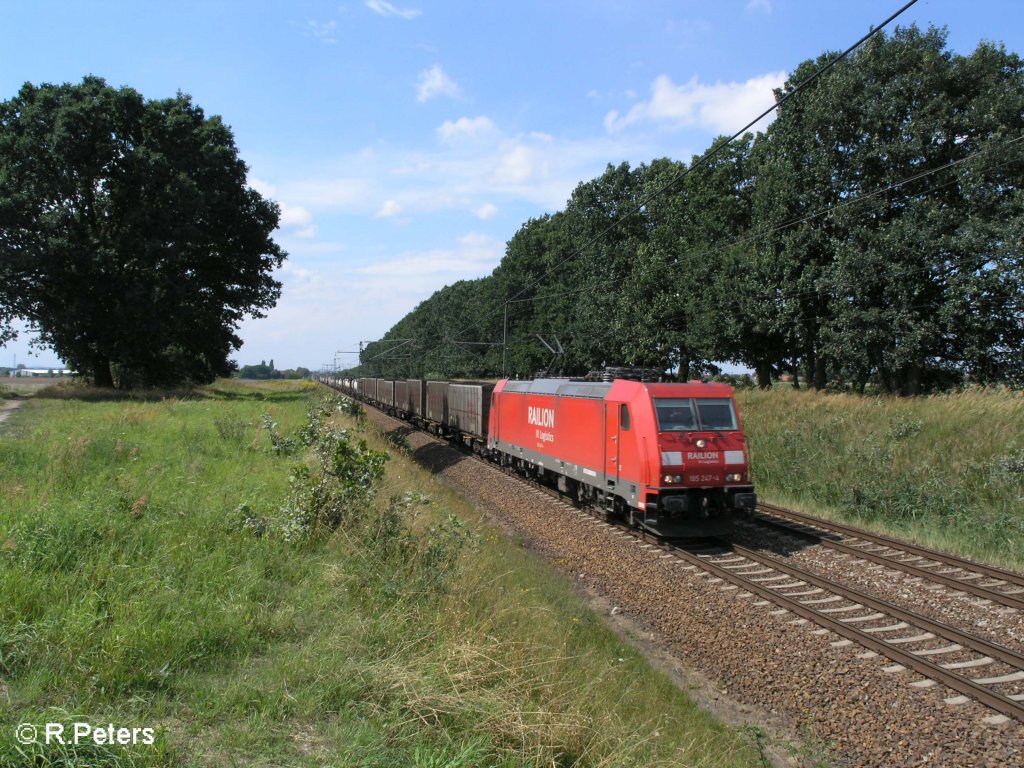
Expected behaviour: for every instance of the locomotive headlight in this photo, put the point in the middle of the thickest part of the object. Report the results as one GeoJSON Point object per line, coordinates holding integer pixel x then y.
{"type": "Point", "coordinates": [733, 478]}
{"type": "Point", "coordinates": [701, 443]}
{"type": "Point", "coordinates": [673, 479]}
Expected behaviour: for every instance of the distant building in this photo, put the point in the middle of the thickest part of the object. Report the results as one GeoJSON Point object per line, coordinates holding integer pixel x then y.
{"type": "Point", "coordinates": [35, 373]}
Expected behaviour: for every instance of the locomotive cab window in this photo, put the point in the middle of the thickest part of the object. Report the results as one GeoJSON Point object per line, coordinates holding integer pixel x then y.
{"type": "Point", "coordinates": [716, 414]}
{"type": "Point", "coordinates": [684, 414]}
{"type": "Point", "coordinates": [624, 417]}
{"type": "Point", "coordinates": [675, 414]}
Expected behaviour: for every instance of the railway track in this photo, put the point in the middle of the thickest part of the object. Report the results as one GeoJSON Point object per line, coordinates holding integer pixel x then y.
{"type": "Point", "coordinates": [972, 667]}
{"type": "Point", "coordinates": [984, 581]}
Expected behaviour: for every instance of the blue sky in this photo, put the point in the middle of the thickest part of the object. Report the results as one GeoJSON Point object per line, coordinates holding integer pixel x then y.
{"type": "Point", "coordinates": [406, 142]}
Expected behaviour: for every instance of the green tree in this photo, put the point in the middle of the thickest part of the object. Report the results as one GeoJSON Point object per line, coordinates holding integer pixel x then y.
{"type": "Point", "coordinates": [790, 250]}
{"type": "Point", "coordinates": [535, 293]}
{"type": "Point", "coordinates": [686, 302]}
{"type": "Point", "coordinates": [872, 235]}
{"type": "Point", "coordinates": [890, 201]}
{"type": "Point", "coordinates": [607, 225]}
{"type": "Point", "coordinates": [651, 317]}
{"type": "Point", "coordinates": [128, 236]}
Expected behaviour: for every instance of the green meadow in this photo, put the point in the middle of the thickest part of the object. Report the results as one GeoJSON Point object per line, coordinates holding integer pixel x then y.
{"type": "Point", "coordinates": [945, 470]}
{"type": "Point", "coordinates": [255, 575]}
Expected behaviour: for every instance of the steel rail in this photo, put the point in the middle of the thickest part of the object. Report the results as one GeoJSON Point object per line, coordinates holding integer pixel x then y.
{"type": "Point", "coordinates": [1009, 599]}
{"type": "Point", "coordinates": [972, 642]}
{"type": "Point", "coordinates": [951, 679]}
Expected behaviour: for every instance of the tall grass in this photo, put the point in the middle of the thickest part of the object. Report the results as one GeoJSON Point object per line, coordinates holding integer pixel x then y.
{"type": "Point", "coordinates": [151, 576]}
{"type": "Point", "coordinates": [947, 469]}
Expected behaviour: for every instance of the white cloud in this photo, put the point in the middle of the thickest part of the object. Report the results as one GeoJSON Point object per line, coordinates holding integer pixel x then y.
{"type": "Point", "coordinates": [265, 188]}
{"type": "Point", "coordinates": [764, 6]}
{"type": "Point", "coordinates": [475, 255]}
{"type": "Point", "coordinates": [295, 216]}
{"type": "Point", "coordinates": [341, 192]}
{"type": "Point", "coordinates": [325, 31]}
{"type": "Point", "coordinates": [387, 9]}
{"type": "Point", "coordinates": [465, 127]}
{"type": "Point", "coordinates": [722, 107]}
{"type": "Point", "coordinates": [518, 163]}
{"type": "Point", "coordinates": [298, 221]}
{"type": "Point", "coordinates": [328, 304]}
{"type": "Point", "coordinates": [435, 82]}
{"type": "Point", "coordinates": [486, 211]}
{"type": "Point", "coordinates": [535, 170]}
{"type": "Point", "coordinates": [389, 209]}
{"type": "Point", "coordinates": [313, 248]}
{"type": "Point", "coordinates": [296, 272]}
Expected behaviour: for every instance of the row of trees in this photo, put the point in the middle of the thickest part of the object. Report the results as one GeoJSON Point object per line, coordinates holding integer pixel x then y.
{"type": "Point", "coordinates": [129, 239]}
{"type": "Point", "coordinates": [873, 234]}
{"type": "Point", "coordinates": [267, 371]}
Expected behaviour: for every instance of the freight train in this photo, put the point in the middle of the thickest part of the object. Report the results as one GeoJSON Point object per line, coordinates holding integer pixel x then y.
{"type": "Point", "coordinates": [670, 458]}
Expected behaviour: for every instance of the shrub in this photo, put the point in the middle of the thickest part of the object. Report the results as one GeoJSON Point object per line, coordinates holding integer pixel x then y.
{"type": "Point", "coordinates": [349, 407]}
{"type": "Point", "coordinates": [242, 518]}
{"type": "Point", "coordinates": [284, 446]}
{"type": "Point", "coordinates": [342, 483]}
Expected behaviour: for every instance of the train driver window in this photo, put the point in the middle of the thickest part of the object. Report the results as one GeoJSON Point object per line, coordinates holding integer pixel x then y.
{"type": "Point", "coordinates": [675, 414]}
{"type": "Point", "coordinates": [624, 417]}
{"type": "Point", "coordinates": [716, 414]}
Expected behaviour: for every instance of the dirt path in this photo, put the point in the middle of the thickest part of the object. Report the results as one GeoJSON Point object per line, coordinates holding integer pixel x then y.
{"type": "Point", "coordinates": [8, 407]}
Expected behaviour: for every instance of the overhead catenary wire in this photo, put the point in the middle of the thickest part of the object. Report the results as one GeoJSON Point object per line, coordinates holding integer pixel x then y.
{"type": "Point", "coordinates": [792, 295]}
{"type": "Point", "coordinates": [970, 260]}
{"type": "Point", "coordinates": [708, 156]}
{"type": "Point", "coordinates": [707, 250]}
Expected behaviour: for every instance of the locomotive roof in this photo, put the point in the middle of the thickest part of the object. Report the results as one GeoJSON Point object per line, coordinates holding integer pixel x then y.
{"type": "Point", "coordinates": [689, 389]}
{"type": "Point", "coordinates": [593, 389]}
{"type": "Point", "coordinates": [598, 390]}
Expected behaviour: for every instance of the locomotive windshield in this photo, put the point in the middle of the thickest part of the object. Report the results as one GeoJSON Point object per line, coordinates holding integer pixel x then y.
{"type": "Point", "coordinates": [686, 414]}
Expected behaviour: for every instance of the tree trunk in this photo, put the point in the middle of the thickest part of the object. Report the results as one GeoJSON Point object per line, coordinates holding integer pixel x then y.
{"type": "Point", "coordinates": [913, 379]}
{"type": "Point", "coordinates": [101, 376]}
{"type": "Point", "coordinates": [796, 373]}
{"type": "Point", "coordinates": [764, 375]}
{"type": "Point", "coordinates": [819, 372]}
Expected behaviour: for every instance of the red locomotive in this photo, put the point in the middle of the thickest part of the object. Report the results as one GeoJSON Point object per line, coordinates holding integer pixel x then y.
{"type": "Point", "coordinates": [671, 458]}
